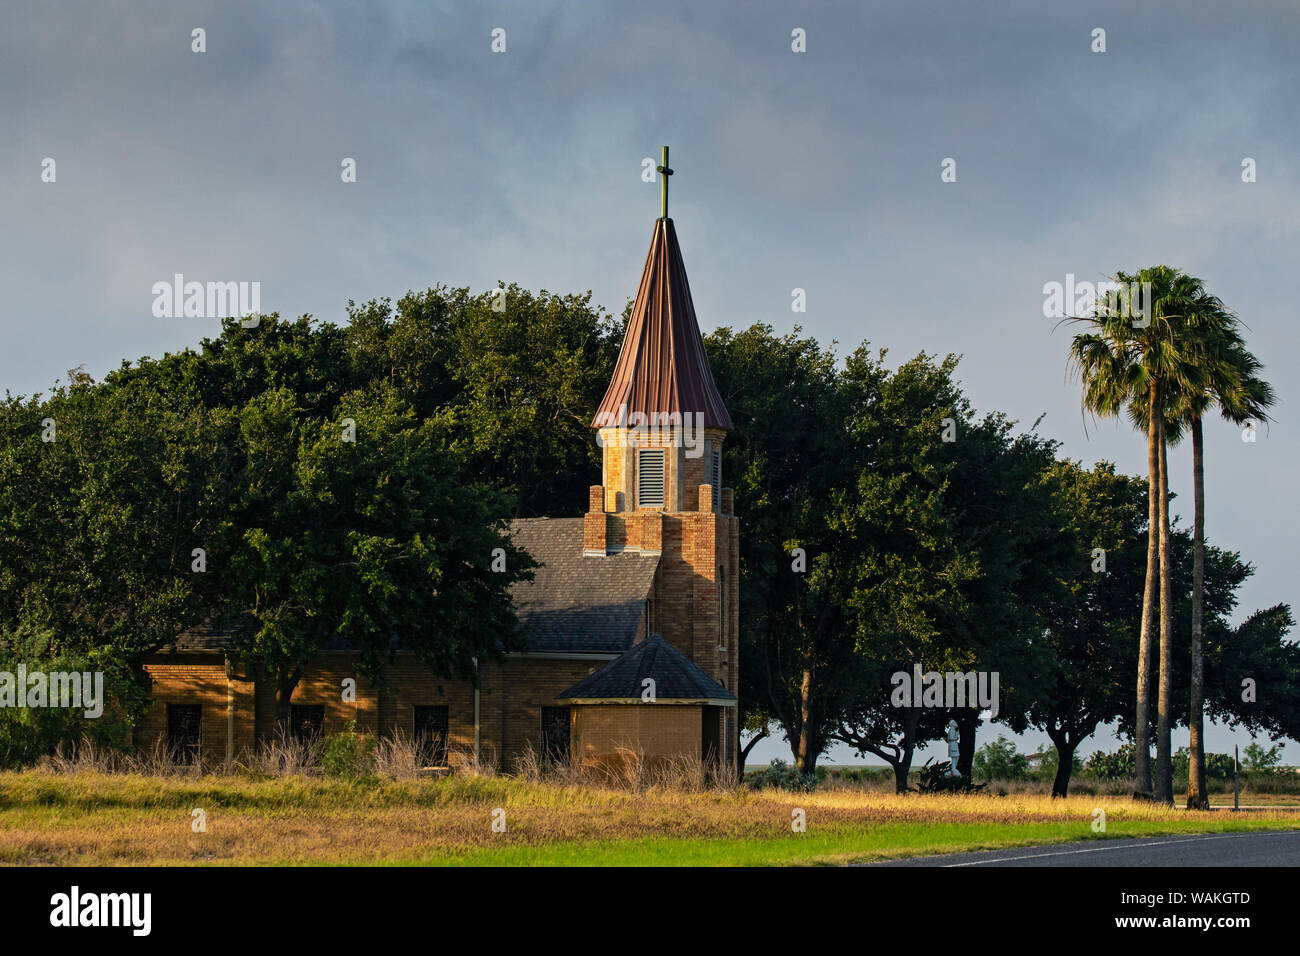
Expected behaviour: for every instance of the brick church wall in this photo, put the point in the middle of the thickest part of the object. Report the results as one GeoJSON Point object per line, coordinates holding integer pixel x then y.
{"type": "Point", "coordinates": [198, 679]}
{"type": "Point", "coordinates": [512, 695]}
{"type": "Point", "coordinates": [655, 731]}
{"type": "Point", "coordinates": [529, 685]}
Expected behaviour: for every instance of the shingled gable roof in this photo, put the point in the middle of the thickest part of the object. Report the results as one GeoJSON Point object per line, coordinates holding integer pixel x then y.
{"type": "Point", "coordinates": [662, 367]}
{"type": "Point", "coordinates": [202, 637]}
{"type": "Point", "coordinates": [675, 677]}
{"type": "Point", "coordinates": [209, 637]}
{"type": "Point", "coordinates": [573, 604]}
{"type": "Point", "coordinates": [578, 604]}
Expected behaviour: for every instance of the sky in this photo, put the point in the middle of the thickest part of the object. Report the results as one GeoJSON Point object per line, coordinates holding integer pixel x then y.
{"type": "Point", "coordinates": [816, 170]}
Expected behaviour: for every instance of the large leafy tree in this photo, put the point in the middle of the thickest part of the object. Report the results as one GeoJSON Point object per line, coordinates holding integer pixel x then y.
{"type": "Point", "coordinates": [1001, 512]}
{"type": "Point", "coordinates": [1257, 654]}
{"type": "Point", "coordinates": [782, 456]}
{"type": "Point", "coordinates": [1000, 523]}
{"type": "Point", "coordinates": [237, 449]}
{"type": "Point", "coordinates": [904, 567]}
{"type": "Point", "coordinates": [516, 377]}
{"type": "Point", "coordinates": [925, 535]}
{"type": "Point", "coordinates": [105, 490]}
{"type": "Point", "coordinates": [1090, 619]}
{"type": "Point", "coordinates": [848, 552]}
{"type": "Point", "coordinates": [357, 532]}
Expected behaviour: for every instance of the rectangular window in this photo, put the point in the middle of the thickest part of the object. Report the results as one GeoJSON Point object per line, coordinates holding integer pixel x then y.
{"type": "Point", "coordinates": [184, 723]}
{"type": "Point", "coordinates": [650, 478]}
{"type": "Point", "coordinates": [716, 480]}
{"type": "Point", "coordinates": [306, 721]}
{"type": "Point", "coordinates": [555, 734]}
{"type": "Point", "coordinates": [431, 725]}
{"type": "Point", "coordinates": [722, 608]}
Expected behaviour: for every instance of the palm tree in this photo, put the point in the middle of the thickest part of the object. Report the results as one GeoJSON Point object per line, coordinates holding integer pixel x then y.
{"type": "Point", "coordinates": [1177, 369]}
{"type": "Point", "coordinates": [1108, 362]}
{"type": "Point", "coordinates": [1136, 368]}
{"type": "Point", "coordinates": [1232, 383]}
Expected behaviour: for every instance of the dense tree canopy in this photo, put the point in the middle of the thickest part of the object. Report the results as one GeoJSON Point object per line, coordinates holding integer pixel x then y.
{"type": "Point", "coordinates": [302, 483]}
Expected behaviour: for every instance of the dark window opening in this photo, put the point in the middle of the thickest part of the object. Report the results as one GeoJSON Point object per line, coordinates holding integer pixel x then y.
{"type": "Point", "coordinates": [555, 734]}
{"type": "Point", "coordinates": [431, 728]}
{"type": "Point", "coordinates": [722, 608]}
{"type": "Point", "coordinates": [184, 723]}
{"type": "Point", "coordinates": [306, 721]}
{"type": "Point", "coordinates": [710, 735]}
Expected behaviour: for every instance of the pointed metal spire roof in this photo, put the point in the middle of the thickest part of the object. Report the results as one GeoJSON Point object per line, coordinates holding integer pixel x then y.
{"type": "Point", "coordinates": [662, 367]}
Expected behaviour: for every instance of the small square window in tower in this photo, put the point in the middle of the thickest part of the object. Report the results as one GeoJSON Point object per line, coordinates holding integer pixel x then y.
{"type": "Point", "coordinates": [431, 725]}
{"type": "Point", "coordinates": [650, 478]}
{"type": "Point", "coordinates": [556, 728]}
{"type": "Point", "coordinates": [184, 723]}
{"type": "Point", "coordinates": [306, 721]}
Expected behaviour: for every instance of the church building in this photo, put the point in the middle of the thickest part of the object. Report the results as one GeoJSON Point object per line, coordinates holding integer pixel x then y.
{"type": "Point", "coordinates": [631, 618]}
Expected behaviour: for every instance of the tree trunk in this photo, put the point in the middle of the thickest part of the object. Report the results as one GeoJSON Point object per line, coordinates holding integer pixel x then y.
{"type": "Point", "coordinates": [284, 687]}
{"type": "Point", "coordinates": [1142, 721]}
{"type": "Point", "coordinates": [1065, 753]}
{"type": "Point", "coordinates": [1198, 797]}
{"type": "Point", "coordinates": [807, 748]}
{"type": "Point", "coordinates": [743, 752]}
{"type": "Point", "coordinates": [911, 720]}
{"type": "Point", "coordinates": [967, 724]}
{"type": "Point", "coordinates": [901, 768]}
{"type": "Point", "coordinates": [1164, 716]}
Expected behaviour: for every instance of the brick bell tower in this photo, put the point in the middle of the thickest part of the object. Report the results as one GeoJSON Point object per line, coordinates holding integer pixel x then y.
{"type": "Point", "coordinates": [661, 426]}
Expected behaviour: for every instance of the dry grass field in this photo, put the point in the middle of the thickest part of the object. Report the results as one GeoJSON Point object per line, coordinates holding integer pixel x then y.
{"type": "Point", "coordinates": [96, 818]}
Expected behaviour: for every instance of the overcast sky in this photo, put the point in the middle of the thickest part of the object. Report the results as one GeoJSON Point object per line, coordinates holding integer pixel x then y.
{"type": "Point", "coordinates": [817, 170]}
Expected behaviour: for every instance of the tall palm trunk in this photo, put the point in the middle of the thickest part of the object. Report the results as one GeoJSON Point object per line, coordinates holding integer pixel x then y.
{"type": "Point", "coordinates": [1164, 727]}
{"type": "Point", "coordinates": [1197, 796]}
{"type": "Point", "coordinates": [1142, 719]}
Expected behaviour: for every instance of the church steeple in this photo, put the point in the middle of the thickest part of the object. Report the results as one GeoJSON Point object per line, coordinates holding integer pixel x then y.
{"type": "Point", "coordinates": [661, 427]}
{"type": "Point", "coordinates": [662, 368]}
{"type": "Point", "coordinates": [662, 421]}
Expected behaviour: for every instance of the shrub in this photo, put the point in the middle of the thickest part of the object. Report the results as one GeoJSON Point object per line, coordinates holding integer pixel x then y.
{"type": "Point", "coordinates": [998, 760]}
{"type": "Point", "coordinates": [935, 779]}
{"type": "Point", "coordinates": [1258, 762]}
{"type": "Point", "coordinates": [782, 776]}
{"type": "Point", "coordinates": [28, 734]}
{"type": "Point", "coordinates": [348, 754]}
{"type": "Point", "coordinates": [1218, 766]}
{"type": "Point", "coordinates": [1116, 766]}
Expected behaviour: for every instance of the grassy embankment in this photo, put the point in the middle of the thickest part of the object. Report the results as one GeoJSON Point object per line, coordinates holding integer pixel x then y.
{"type": "Point", "coordinates": [134, 819]}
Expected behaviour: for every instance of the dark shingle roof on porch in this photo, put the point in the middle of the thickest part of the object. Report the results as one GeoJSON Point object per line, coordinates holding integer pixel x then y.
{"type": "Point", "coordinates": [675, 677]}
{"type": "Point", "coordinates": [577, 603]}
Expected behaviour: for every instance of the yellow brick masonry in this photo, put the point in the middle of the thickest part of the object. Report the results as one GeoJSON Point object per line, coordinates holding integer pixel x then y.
{"type": "Point", "coordinates": [512, 694]}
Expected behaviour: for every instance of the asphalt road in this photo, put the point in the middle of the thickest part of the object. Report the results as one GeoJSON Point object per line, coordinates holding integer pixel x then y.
{"type": "Point", "coordinates": [1275, 848]}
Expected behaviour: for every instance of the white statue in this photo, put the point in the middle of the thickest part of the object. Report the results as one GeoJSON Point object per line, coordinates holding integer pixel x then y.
{"type": "Point", "coordinates": [954, 747]}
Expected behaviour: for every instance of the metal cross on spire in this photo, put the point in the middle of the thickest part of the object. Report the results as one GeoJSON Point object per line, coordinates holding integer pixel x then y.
{"type": "Point", "coordinates": [664, 172]}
